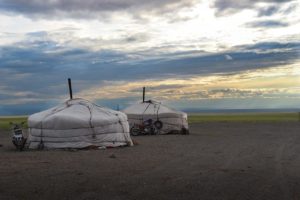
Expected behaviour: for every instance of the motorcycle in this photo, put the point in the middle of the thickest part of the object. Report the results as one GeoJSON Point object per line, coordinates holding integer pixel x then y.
{"type": "Point", "coordinates": [146, 128]}
{"type": "Point", "coordinates": [18, 138]}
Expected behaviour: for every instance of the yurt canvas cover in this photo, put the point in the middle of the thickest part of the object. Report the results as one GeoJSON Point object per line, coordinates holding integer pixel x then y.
{"type": "Point", "coordinates": [78, 123]}
{"type": "Point", "coordinates": [173, 121]}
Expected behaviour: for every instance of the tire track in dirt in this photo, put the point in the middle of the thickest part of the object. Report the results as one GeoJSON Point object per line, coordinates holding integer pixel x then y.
{"type": "Point", "coordinates": [280, 171]}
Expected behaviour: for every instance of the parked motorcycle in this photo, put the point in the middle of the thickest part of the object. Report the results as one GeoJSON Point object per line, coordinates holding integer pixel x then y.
{"type": "Point", "coordinates": [146, 128]}
{"type": "Point", "coordinates": [18, 138]}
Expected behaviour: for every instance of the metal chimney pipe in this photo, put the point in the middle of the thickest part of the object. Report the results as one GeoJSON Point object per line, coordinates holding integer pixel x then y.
{"type": "Point", "coordinates": [70, 88]}
{"type": "Point", "coordinates": [143, 94]}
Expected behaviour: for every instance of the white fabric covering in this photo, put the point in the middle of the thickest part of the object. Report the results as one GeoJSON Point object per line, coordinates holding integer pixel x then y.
{"type": "Point", "coordinates": [78, 123]}
{"type": "Point", "coordinates": [173, 121]}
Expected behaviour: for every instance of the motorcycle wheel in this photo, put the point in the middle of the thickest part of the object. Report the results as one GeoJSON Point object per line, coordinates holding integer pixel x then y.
{"type": "Point", "coordinates": [155, 131]}
{"type": "Point", "coordinates": [20, 146]}
{"type": "Point", "coordinates": [134, 131]}
{"type": "Point", "coordinates": [185, 131]}
{"type": "Point", "coordinates": [158, 124]}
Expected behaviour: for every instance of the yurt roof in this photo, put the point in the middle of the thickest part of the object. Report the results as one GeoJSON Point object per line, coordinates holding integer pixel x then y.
{"type": "Point", "coordinates": [75, 113]}
{"type": "Point", "coordinates": [150, 107]}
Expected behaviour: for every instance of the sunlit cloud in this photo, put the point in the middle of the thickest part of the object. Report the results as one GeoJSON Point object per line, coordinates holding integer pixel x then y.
{"type": "Point", "coordinates": [280, 82]}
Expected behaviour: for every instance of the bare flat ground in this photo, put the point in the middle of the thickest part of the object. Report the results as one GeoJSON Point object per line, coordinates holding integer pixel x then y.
{"type": "Point", "coordinates": [218, 160]}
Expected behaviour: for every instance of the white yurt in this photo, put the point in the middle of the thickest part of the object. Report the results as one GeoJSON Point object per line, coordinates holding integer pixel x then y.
{"type": "Point", "coordinates": [171, 121]}
{"type": "Point", "coordinates": [78, 123]}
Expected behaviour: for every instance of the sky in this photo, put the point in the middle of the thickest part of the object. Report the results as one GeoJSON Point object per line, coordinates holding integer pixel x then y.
{"type": "Point", "coordinates": [216, 54]}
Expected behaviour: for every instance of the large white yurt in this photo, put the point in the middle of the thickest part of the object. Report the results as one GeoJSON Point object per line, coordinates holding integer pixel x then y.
{"type": "Point", "coordinates": [78, 123]}
{"type": "Point", "coordinates": [172, 121]}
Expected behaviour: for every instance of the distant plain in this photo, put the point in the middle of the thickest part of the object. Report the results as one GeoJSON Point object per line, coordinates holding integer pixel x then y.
{"type": "Point", "coordinates": [198, 117]}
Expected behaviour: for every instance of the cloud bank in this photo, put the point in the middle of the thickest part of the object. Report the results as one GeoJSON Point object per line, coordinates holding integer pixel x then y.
{"type": "Point", "coordinates": [90, 8]}
{"type": "Point", "coordinates": [37, 72]}
{"type": "Point", "coordinates": [227, 7]}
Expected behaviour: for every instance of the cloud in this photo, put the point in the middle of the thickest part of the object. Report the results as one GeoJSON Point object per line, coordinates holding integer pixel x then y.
{"type": "Point", "coordinates": [267, 24]}
{"type": "Point", "coordinates": [227, 7]}
{"type": "Point", "coordinates": [48, 62]}
{"type": "Point", "coordinates": [272, 46]}
{"type": "Point", "coordinates": [138, 37]}
{"type": "Point", "coordinates": [233, 104]}
{"type": "Point", "coordinates": [277, 8]}
{"type": "Point", "coordinates": [268, 11]}
{"type": "Point", "coordinates": [25, 108]}
{"type": "Point", "coordinates": [37, 34]}
{"type": "Point", "coordinates": [259, 81]}
{"type": "Point", "coordinates": [37, 71]}
{"type": "Point", "coordinates": [90, 8]}
{"type": "Point", "coordinates": [228, 57]}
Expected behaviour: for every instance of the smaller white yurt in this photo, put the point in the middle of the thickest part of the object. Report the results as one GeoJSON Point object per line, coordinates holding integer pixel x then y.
{"type": "Point", "coordinates": [78, 123]}
{"type": "Point", "coordinates": [171, 121]}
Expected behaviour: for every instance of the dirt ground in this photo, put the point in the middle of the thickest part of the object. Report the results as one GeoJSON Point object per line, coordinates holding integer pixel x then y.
{"type": "Point", "coordinates": [218, 160]}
